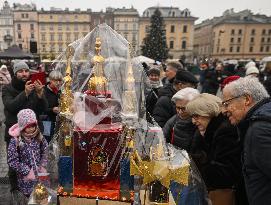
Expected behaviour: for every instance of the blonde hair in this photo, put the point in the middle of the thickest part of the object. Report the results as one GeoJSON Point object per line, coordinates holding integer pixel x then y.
{"type": "Point", "coordinates": [205, 105]}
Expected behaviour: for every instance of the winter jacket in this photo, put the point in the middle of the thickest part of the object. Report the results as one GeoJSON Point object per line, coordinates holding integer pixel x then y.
{"type": "Point", "coordinates": [219, 161]}
{"type": "Point", "coordinates": [4, 77]}
{"type": "Point", "coordinates": [179, 132]}
{"type": "Point", "coordinates": [52, 100]}
{"type": "Point", "coordinates": [15, 100]}
{"type": "Point", "coordinates": [23, 156]}
{"type": "Point", "coordinates": [255, 132]}
{"type": "Point", "coordinates": [209, 81]}
{"type": "Point", "coordinates": [164, 109]}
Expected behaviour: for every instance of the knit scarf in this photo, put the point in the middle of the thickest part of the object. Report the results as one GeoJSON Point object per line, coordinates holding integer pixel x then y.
{"type": "Point", "coordinates": [53, 88]}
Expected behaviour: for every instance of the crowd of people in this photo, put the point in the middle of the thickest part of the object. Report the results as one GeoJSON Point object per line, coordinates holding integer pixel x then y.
{"type": "Point", "coordinates": [222, 118]}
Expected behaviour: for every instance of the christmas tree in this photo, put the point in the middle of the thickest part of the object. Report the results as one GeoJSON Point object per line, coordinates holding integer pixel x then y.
{"type": "Point", "coordinates": [154, 44]}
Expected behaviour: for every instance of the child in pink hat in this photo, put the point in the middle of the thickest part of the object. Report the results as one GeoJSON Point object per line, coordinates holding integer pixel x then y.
{"type": "Point", "coordinates": [27, 151]}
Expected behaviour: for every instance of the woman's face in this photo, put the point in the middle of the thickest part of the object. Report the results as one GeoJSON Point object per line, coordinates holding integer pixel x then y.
{"type": "Point", "coordinates": [56, 83]}
{"type": "Point", "coordinates": [180, 109]}
{"type": "Point", "coordinates": [201, 122]}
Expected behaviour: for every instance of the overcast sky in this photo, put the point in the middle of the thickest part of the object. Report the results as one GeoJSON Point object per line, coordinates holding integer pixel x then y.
{"type": "Point", "coordinates": [200, 8]}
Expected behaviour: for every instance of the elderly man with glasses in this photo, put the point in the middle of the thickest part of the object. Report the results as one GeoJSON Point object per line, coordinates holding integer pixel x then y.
{"type": "Point", "coordinates": [247, 105]}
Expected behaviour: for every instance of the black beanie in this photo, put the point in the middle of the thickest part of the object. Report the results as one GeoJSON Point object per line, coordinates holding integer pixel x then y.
{"type": "Point", "coordinates": [185, 76]}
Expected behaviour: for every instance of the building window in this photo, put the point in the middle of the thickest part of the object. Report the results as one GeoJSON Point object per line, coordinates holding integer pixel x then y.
{"type": "Point", "coordinates": [26, 15]}
{"type": "Point", "coordinates": [68, 36]}
{"type": "Point", "coordinates": [59, 27]}
{"type": "Point", "coordinates": [185, 29]}
{"type": "Point", "coordinates": [125, 26]}
{"type": "Point", "coordinates": [60, 36]}
{"type": "Point", "coordinates": [239, 40]}
{"type": "Point", "coordinates": [52, 48]}
{"type": "Point", "coordinates": [173, 13]}
{"type": "Point", "coordinates": [263, 32]}
{"type": "Point", "coordinates": [32, 35]}
{"type": "Point", "coordinates": [52, 37]}
{"type": "Point", "coordinates": [43, 48]}
{"type": "Point", "coordinates": [134, 26]}
{"type": "Point", "coordinates": [42, 27]}
{"type": "Point", "coordinates": [267, 49]}
{"type": "Point", "coordinates": [67, 27]}
{"type": "Point", "coordinates": [125, 35]}
{"type": "Point", "coordinates": [60, 49]}
{"type": "Point", "coordinates": [172, 29]}
{"type": "Point", "coordinates": [43, 37]}
{"type": "Point", "coordinates": [51, 27]}
{"type": "Point", "coordinates": [21, 46]}
{"type": "Point", "coordinates": [76, 36]}
{"type": "Point", "coordinates": [252, 40]}
{"type": "Point", "coordinates": [269, 32]}
{"type": "Point", "coordinates": [51, 17]}
{"type": "Point", "coordinates": [232, 32]}
{"type": "Point", "coordinates": [183, 44]}
{"type": "Point", "coordinates": [250, 49]}
{"type": "Point", "coordinates": [22, 15]}
{"type": "Point", "coordinates": [253, 32]}
{"type": "Point", "coordinates": [134, 37]}
{"type": "Point", "coordinates": [268, 40]}
{"type": "Point", "coordinates": [147, 29]}
{"type": "Point", "coordinates": [75, 27]}
{"type": "Point", "coordinates": [261, 49]}
{"type": "Point", "coordinates": [31, 26]}
{"type": "Point", "coordinates": [262, 40]}
{"type": "Point", "coordinates": [217, 49]}
{"type": "Point", "coordinates": [238, 49]}
{"type": "Point", "coordinates": [171, 44]}
{"type": "Point", "coordinates": [232, 40]}
{"type": "Point", "coordinates": [76, 17]}
{"type": "Point", "coordinates": [19, 27]}
{"type": "Point", "coordinates": [240, 31]}
{"type": "Point", "coordinates": [19, 36]}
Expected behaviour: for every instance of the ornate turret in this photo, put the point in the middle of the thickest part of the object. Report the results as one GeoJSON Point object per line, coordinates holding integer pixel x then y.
{"type": "Point", "coordinates": [67, 96]}
{"type": "Point", "coordinates": [98, 82]}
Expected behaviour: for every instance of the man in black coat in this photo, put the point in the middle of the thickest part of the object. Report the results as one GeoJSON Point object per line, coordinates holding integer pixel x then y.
{"type": "Point", "coordinates": [164, 108]}
{"type": "Point", "coordinates": [20, 94]}
{"type": "Point", "coordinates": [247, 105]}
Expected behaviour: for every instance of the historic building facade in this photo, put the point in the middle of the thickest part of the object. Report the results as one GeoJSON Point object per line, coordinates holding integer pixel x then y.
{"type": "Point", "coordinates": [241, 35]}
{"type": "Point", "coordinates": [6, 27]}
{"type": "Point", "coordinates": [179, 25]}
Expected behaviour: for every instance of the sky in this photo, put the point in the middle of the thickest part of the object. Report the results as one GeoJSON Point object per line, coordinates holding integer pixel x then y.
{"type": "Point", "coordinates": [202, 9]}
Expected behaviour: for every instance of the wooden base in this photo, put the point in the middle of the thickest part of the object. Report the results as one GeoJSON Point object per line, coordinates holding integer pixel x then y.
{"type": "Point", "coordinates": [83, 201]}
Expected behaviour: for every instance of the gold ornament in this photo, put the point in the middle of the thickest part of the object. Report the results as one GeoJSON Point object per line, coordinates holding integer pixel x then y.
{"type": "Point", "coordinates": [66, 97]}
{"type": "Point", "coordinates": [98, 82]}
{"type": "Point", "coordinates": [158, 170]}
{"type": "Point", "coordinates": [41, 194]}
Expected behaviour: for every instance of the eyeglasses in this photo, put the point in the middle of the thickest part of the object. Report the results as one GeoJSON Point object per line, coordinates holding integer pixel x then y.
{"type": "Point", "coordinates": [182, 109]}
{"type": "Point", "coordinates": [226, 103]}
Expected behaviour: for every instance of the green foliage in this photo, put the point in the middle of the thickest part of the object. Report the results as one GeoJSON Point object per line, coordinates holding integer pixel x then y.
{"type": "Point", "coordinates": [155, 44]}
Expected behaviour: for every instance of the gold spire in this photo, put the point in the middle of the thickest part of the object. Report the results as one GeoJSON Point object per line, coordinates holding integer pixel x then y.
{"type": "Point", "coordinates": [98, 82]}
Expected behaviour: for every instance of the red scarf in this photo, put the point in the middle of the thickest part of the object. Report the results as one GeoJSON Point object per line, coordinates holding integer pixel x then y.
{"type": "Point", "coordinates": [53, 88]}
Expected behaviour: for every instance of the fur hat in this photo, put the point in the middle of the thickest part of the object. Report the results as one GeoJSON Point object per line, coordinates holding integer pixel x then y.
{"type": "Point", "coordinates": [19, 66]}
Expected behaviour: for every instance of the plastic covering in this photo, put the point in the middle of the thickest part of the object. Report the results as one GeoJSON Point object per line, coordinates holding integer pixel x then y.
{"type": "Point", "coordinates": [103, 148]}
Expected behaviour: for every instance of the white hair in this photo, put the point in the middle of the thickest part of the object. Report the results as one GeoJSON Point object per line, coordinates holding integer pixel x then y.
{"type": "Point", "coordinates": [55, 75]}
{"type": "Point", "coordinates": [185, 94]}
{"type": "Point", "coordinates": [248, 86]}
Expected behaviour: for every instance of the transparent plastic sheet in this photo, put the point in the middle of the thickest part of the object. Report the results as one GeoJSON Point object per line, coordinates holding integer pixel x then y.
{"type": "Point", "coordinates": [98, 137]}
{"type": "Point", "coordinates": [169, 175]}
{"type": "Point", "coordinates": [42, 195]}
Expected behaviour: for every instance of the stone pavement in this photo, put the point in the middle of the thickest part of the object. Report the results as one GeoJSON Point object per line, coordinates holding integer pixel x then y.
{"type": "Point", "coordinates": [4, 184]}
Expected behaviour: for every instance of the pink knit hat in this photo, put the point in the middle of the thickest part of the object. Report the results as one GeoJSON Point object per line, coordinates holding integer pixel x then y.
{"type": "Point", "coordinates": [25, 117]}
